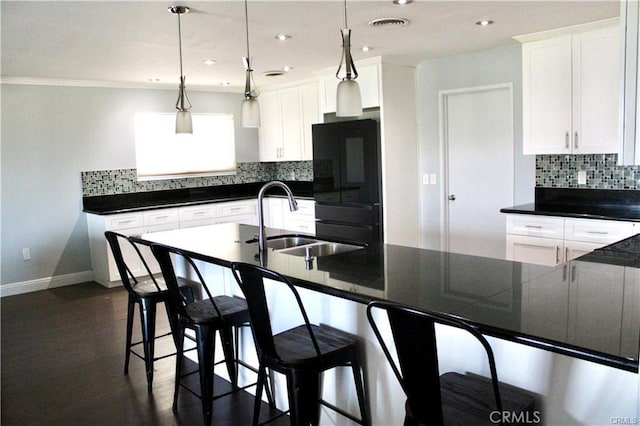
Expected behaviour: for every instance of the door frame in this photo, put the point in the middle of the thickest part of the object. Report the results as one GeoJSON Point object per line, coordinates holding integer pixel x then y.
{"type": "Point", "coordinates": [443, 96]}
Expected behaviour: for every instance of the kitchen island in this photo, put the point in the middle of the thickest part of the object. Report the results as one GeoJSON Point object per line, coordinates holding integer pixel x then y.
{"type": "Point", "coordinates": [534, 313]}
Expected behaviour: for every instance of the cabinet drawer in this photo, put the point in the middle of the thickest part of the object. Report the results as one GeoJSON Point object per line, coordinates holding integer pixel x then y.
{"type": "Point", "coordinates": [306, 209]}
{"type": "Point", "coordinates": [160, 217]}
{"type": "Point", "coordinates": [197, 213]}
{"type": "Point", "coordinates": [233, 209]}
{"type": "Point", "coordinates": [535, 226]}
{"type": "Point", "coordinates": [123, 221]}
{"type": "Point", "coordinates": [596, 231]}
{"type": "Point", "coordinates": [306, 226]}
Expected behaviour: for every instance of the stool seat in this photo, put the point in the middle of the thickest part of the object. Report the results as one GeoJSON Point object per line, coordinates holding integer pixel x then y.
{"type": "Point", "coordinates": [232, 309]}
{"type": "Point", "coordinates": [302, 353]}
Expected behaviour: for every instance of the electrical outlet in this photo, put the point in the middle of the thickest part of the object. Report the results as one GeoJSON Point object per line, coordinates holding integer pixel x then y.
{"type": "Point", "coordinates": [432, 178]}
{"type": "Point", "coordinates": [26, 254]}
{"type": "Point", "coordinates": [582, 177]}
{"type": "Point", "coordinates": [425, 179]}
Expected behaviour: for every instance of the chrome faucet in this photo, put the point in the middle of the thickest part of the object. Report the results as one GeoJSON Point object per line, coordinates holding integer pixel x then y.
{"type": "Point", "coordinates": [293, 206]}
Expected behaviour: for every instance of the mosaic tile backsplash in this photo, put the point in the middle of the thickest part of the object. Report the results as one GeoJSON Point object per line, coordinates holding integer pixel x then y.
{"type": "Point", "coordinates": [561, 171]}
{"type": "Point", "coordinates": [122, 181]}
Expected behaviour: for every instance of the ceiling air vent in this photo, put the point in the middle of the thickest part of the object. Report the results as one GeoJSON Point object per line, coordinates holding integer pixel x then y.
{"type": "Point", "coordinates": [275, 73]}
{"type": "Point", "coordinates": [389, 22]}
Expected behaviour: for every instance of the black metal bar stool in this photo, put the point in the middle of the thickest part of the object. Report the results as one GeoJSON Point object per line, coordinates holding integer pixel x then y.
{"type": "Point", "coordinates": [217, 313]}
{"type": "Point", "coordinates": [146, 293]}
{"type": "Point", "coordinates": [451, 398]}
{"type": "Point", "coordinates": [301, 353]}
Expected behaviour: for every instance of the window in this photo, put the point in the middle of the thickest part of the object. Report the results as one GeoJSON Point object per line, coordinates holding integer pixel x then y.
{"type": "Point", "coordinates": [161, 154]}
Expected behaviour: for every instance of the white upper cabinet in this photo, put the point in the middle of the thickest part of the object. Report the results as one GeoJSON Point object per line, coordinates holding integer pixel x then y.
{"type": "Point", "coordinates": [571, 90]}
{"type": "Point", "coordinates": [286, 118]}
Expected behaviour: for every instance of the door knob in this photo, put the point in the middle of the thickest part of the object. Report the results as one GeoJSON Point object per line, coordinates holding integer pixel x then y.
{"type": "Point", "coordinates": [451, 197]}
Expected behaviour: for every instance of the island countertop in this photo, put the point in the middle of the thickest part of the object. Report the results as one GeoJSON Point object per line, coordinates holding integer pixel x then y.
{"type": "Point", "coordinates": [583, 309]}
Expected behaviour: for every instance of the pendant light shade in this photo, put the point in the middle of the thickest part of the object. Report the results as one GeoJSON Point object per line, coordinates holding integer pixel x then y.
{"type": "Point", "coordinates": [183, 116]}
{"type": "Point", "coordinates": [348, 98]}
{"type": "Point", "coordinates": [250, 113]}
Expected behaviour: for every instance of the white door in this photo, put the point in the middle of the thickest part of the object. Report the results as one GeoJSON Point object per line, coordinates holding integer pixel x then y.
{"type": "Point", "coordinates": [478, 145]}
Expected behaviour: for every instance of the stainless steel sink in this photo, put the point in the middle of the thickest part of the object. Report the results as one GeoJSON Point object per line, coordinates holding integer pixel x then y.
{"type": "Point", "coordinates": [306, 246]}
{"type": "Point", "coordinates": [320, 249]}
{"type": "Point", "coordinates": [285, 242]}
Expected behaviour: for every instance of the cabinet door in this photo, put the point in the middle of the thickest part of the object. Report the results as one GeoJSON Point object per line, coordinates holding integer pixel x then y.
{"type": "Point", "coordinates": [310, 115]}
{"type": "Point", "coordinates": [292, 144]}
{"type": "Point", "coordinates": [596, 91]}
{"type": "Point", "coordinates": [542, 251]}
{"type": "Point", "coordinates": [575, 249]}
{"type": "Point", "coordinates": [270, 130]}
{"type": "Point", "coordinates": [546, 100]}
{"type": "Point", "coordinates": [545, 303]}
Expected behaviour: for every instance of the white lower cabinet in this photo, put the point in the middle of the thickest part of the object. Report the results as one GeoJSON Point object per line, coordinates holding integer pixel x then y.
{"type": "Point", "coordinates": [105, 270]}
{"type": "Point", "coordinates": [548, 240]}
{"type": "Point", "coordinates": [279, 215]}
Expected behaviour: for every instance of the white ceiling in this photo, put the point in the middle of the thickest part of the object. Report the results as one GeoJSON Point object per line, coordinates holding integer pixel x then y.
{"type": "Point", "coordinates": [129, 43]}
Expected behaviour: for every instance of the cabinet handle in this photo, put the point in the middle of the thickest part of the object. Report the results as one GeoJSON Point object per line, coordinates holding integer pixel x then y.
{"type": "Point", "coordinates": [235, 209]}
{"type": "Point", "coordinates": [198, 213]}
{"type": "Point", "coordinates": [557, 254]}
{"type": "Point", "coordinates": [124, 222]}
{"type": "Point", "coordinates": [533, 226]}
{"type": "Point", "coordinates": [573, 273]}
{"type": "Point", "coordinates": [575, 140]}
{"type": "Point", "coordinates": [598, 232]}
{"type": "Point", "coordinates": [162, 217]}
{"type": "Point", "coordinates": [566, 254]}
{"type": "Point", "coordinates": [566, 139]}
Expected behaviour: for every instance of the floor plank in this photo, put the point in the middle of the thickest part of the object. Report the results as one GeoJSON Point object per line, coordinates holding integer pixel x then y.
{"type": "Point", "coordinates": [62, 359]}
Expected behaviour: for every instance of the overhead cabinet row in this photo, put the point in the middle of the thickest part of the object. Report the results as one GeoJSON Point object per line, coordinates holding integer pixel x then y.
{"type": "Point", "coordinates": [287, 114]}
{"type": "Point", "coordinates": [571, 90]}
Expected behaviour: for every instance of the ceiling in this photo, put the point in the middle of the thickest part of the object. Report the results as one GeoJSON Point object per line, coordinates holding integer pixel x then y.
{"type": "Point", "coordinates": [127, 43]}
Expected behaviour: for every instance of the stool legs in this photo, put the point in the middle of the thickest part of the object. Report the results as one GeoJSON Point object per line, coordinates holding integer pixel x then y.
{"type": "Point", "coordinates": [205, 336]}
{"type": "Point", "coordinates": [131, 305]}
{"type": "Point", "coordinates": [148, 320]}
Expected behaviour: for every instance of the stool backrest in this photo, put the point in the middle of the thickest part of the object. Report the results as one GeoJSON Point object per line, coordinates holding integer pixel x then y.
{"type": "Point", "coordinates": [168, 257]}
{"type": "Point", "coordinates": [251, 278]}
{"type": "Point", "coordinates": [414, 337]}
{"type": "Point", "coordinates": [128, 279]}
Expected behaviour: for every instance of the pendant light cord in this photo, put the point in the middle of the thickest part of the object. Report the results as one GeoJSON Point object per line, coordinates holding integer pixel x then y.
{"type": "Point", "coordinates": [180, 43]}
{"type": "Point", "coordinates": [246, 24]}
{"type": "Point", "coordinates": [345, 14]}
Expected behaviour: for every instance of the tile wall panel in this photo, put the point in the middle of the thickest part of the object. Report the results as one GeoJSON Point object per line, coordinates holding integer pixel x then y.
{"type": "Point", "coordinates": [561, 171]}
{"type": "Point", "coordinates": [122, 181]}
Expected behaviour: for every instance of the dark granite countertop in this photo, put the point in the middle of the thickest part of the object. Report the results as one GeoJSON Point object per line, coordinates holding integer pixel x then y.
{"type": "Point", "coordinates": [583, 203]}
{"type": "Point", "coordinates": [584, 309]}
{"type": "Point", "coordinates": [149, 200]}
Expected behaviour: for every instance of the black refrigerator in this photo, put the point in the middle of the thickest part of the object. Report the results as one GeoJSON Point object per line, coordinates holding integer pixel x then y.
{"type": "Point", "coordinates": [346, 180]}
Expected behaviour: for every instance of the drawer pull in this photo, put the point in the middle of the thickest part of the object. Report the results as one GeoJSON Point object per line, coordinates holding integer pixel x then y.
{"type": "Point", "coordinates": [162, 217]}
{"type": "Point", "coordinates": [235, 209]}
{"type": "Point", "coordinates": [533, 226]}
{"type": "Point", "coordinates": [124, 222]}
{"type": "Point", "coordinates": [198, 213]}
{"type": "Point", "coordinates": [597, 232]}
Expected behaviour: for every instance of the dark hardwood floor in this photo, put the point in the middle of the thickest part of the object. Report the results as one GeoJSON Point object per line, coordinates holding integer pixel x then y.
{"type": "Point", "coordinates": [62, 358]}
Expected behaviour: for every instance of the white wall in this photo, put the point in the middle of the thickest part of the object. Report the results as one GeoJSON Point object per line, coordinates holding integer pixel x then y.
{"type": "Point", "coordinates": [487, 67]}
{"type": "Point", "coordinates": [49, 135]}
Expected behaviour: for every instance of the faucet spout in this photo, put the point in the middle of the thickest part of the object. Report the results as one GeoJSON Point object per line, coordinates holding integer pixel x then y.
{"type": "Point", "coordinates": [293, 206]}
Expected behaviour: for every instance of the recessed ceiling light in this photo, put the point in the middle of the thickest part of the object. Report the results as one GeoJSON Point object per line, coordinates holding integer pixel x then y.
{"type": "Point", "coordinates": [402, 2]}
{"type": "Point", "coordinates": [209, 62]}
{"type": "Point", "coordinates": [283, 37]}
{"type": "Point", "coordinates": [484, 22]}
{"type": "Point", "coordinates": [365, 48]}
{"type": "Point", "coordinates": [225, 83]}
{"type": "Point", "coordinates": [154, 80]}
{"type": "Point", "coordinates": [287, 69]}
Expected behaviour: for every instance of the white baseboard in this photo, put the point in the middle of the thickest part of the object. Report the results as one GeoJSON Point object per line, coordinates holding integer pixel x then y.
{"type": "Point", "coordinates": [45, 283]}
